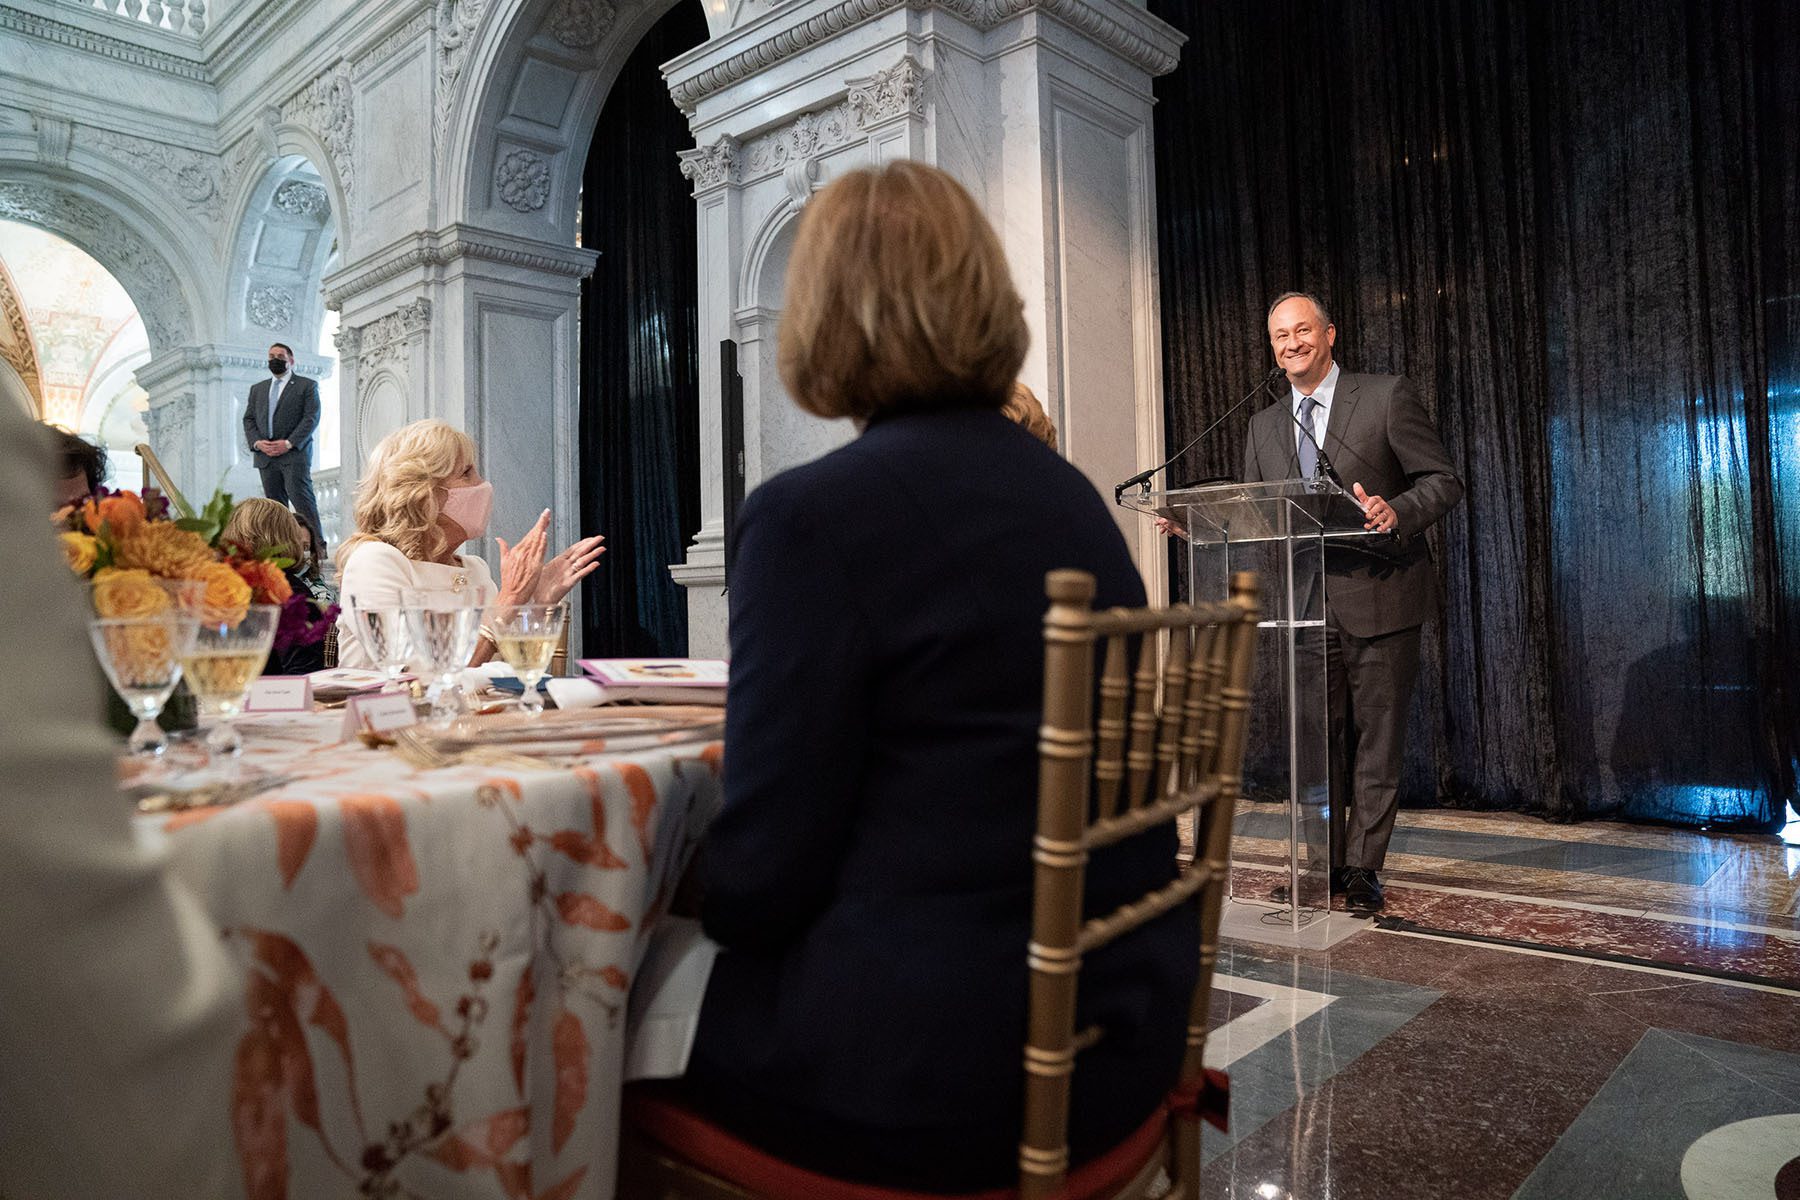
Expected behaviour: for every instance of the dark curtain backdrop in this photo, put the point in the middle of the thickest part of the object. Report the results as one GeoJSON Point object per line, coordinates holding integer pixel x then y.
{"type": "Point", "coordinates": [1577, 226]}
{"type": "Point", "coordinates": [640, 382]}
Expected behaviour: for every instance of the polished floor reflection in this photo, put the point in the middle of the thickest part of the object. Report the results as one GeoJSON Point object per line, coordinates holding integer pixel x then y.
{"type": "Point", "coordinates": [1544, 1012]}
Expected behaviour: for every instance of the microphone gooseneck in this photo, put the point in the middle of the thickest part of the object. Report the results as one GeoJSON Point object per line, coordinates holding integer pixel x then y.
{"type": "Point", "coordinates": [1145, 476]}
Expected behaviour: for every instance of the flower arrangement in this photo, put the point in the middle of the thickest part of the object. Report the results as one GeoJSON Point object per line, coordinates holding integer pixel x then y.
{"type": "Point", "coordinates": [131, 546]}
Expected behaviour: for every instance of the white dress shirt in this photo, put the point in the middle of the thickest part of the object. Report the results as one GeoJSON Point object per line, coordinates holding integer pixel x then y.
{"type": "Point", "coordinates": [1322, 415]}
{"type": "Point", "coordinates": [277, 384]}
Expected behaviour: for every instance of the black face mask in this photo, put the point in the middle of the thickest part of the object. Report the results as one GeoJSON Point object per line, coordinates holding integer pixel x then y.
{"type": "Point", "coordinates": [278, 366]}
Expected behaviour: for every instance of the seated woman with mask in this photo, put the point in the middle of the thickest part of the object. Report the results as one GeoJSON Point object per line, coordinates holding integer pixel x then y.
{"type": "Point", "coordinates": [422, 498]}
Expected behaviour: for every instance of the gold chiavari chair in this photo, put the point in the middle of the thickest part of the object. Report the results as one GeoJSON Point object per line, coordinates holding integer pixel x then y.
{"type": "Point", "coordinates": [1167, 741]}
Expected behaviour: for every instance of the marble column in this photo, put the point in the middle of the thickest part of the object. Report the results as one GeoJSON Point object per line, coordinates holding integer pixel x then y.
{"type": "Point", "coordinates": [1043, 110]}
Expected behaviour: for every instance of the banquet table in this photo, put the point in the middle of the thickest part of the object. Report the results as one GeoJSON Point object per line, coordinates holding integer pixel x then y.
{"type": "Point", "coordinates": [436, 963]}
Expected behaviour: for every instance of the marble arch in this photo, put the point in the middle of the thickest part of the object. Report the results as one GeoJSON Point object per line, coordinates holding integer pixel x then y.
{"type": "Point", "coordinates": [147, 257]}
{"type": "Point", "coordinates": [285, 234]}
{"type": "Point", "coordinates": [530, 97]}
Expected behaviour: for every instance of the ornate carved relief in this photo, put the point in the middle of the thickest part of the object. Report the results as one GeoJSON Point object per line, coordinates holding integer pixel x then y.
{"type": "Point", "coordinates": [269, 306]}
{"type": "Point", "coordinates": [523, 181]}
{"type": "Point", "coordinates": [143, 273]}
{"type": "Point", "coordinates": [896, 92]}
{"type": "Point", "coordinates": [194, 177]}
{"type": "Point", "coordinates": [171, 422]}
{"type": "Point", "coordinates": [456, 22]}
{"type": "Point", "coordinates": [325, 106]}
{"type": "Point", "coordinates": [54, 134]}
{"type": "Point", "coordinates": [384, 342]}
{"type": "Point", "coordinates": [307, 201]}
{"type": "Point", "coordinates": [802, 138]}
{"type": "Point", "coordinates": [394, 42]}
{"type": "Point", "coordinates": [886, 95]}
{"type": "Point", "coordinates": [711, 165]}
{"type": "Point", "coordinates": [1135, 44]}
{"type": "Point", "coordinates": [579, 24]}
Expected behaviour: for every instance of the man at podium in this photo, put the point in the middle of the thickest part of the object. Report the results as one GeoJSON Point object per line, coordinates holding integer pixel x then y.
{"type": "Point", "coordinates": [1372, 435]}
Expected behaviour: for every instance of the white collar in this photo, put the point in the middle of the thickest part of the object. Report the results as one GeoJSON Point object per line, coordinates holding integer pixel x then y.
{"type": "Point", "coordinates": [1323, 393]}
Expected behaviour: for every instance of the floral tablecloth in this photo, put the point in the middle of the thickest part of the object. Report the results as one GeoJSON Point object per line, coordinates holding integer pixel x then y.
{"type": "Point", "coordinates": [436, 963]}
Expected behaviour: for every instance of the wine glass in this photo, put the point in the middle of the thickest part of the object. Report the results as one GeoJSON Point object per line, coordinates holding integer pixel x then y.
{"type": "Point", "coordinates": [225, 658]}
{"type": "Point", "coordinates": [383, 633]}
{"type": "Point", "coordinates": [444, 626]}
{"type": "Point", "coordinates": [526, 636]}
{"type": "Point", "coordinates": [142, 659]}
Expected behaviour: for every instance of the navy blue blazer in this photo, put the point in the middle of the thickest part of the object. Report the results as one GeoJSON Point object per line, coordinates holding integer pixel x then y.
{"type": "Point", "coordinates": [870, 874]}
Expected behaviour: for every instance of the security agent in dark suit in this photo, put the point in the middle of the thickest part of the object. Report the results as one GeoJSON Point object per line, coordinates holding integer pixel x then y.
{"type": "Point", "coordinates": [279, 422]}
{"type": "Point", "coordinates": [1381, 442]}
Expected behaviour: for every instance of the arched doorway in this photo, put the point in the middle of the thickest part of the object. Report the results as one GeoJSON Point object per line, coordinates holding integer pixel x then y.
{"type": "Point", "coordinates": [640, 388]}
{"type": "Point", "coordinates": [73, 341]}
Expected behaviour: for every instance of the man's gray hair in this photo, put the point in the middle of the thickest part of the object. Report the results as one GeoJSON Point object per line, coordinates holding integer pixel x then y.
{"type": "Point", "coordinates": [1318, 304]}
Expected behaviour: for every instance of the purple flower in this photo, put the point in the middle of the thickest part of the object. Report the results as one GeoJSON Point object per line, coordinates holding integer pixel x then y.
{"type": "Point", "coordinates": [302, 623]}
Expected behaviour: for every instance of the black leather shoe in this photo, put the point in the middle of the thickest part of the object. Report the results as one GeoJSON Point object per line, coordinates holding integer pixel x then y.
{"type": "Point", "coordinates": [1362, 892]}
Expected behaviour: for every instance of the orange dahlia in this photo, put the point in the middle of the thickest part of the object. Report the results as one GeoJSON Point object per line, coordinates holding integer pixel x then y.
{"type": "Point", "coordinates": [268, 583]}
{"type": "Point", "coordinates": [163, 549]}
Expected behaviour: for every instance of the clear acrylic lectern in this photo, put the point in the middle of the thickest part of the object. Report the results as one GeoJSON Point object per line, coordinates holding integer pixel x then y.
{"type": "Point", "coordinates": [1281, 531]}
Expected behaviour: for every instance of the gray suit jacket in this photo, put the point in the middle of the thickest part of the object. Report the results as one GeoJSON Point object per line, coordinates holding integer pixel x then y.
{"type": "Point", "coordinates": [296, 416]}
{"type": "Point", "coordinates": [1380, 436]}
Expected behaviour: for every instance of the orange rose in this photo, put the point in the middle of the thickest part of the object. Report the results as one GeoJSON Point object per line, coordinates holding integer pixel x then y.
{"type": "Point", "coordinates": [268, 584]}
{"type": "Point", "coordinates": [120, 514]}
{"type": "Point", "coordinates": [79, 549]}
{"type": "Point", "coordinates": [162, 549]}
{"type": "Point", "coordinates": [128, 594]}
{"type": "Point", "coordinates": [227, 596]}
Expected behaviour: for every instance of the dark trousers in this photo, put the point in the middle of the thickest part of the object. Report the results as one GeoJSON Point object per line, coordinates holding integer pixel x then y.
{"type": "Point", "coordinates": [1370, 681]}
{"type": "Point", "coordinates": [288, 480]}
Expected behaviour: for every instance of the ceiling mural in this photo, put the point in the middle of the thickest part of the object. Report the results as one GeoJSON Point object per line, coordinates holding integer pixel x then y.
{"type": "Point", "coordinates": [84, 334]}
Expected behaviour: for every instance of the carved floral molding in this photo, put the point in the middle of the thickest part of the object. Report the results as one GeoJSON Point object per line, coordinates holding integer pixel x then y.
{"type": "Point", "coordinates": [897, 92]}
{"type": "Point", "coordinates": [326, 107]}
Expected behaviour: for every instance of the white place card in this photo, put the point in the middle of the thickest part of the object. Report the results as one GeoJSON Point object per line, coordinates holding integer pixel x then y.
{"type": "Point", "coordinates": [279, 693]}
{"type": "Point", "coordinates": [378, 714]}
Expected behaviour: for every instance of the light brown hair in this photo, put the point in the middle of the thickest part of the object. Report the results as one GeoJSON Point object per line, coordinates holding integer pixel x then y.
{"type": "Point", "coordinates": [397, 502]}
{"type": "Point", "coordinates": [898, 299]}
{"type": "Point", "coordinates": [1022, 406]}
{"type": "Point", "coordinates": [259, 524]}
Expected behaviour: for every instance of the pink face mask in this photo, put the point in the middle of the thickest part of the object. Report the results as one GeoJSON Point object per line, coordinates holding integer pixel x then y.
{"type": "Point", "coordinates": [469, 507]}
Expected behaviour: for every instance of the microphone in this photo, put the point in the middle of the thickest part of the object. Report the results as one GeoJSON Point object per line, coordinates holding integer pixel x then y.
{"type": "Point", "coordinates": [1144, 476]}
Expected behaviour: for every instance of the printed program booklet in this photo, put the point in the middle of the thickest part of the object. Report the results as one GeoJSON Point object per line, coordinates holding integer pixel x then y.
{"type": "Point", "coordinates": [662, 680]}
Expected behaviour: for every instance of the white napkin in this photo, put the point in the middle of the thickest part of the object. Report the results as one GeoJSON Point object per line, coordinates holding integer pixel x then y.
{"type": "Point", "coordinates": [663, 1013]}
{"type": "Point", "coordinates": [575, 693]}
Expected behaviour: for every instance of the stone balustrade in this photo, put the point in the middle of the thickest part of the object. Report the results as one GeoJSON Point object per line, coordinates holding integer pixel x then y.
{"type": "Point", "coordinates": [328, 494]}
{"type": "Point", "coordinates": [184, 19]}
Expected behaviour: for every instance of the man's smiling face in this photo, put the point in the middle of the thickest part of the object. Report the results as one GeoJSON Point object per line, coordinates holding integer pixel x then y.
{"type": "Point", "coordinates": [1302, 342]}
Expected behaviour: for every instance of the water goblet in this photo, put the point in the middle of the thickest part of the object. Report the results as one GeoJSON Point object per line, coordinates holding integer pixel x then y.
{"type": "Point", "coordinates": [526, 637]}
{"type": "Point", "coordinates": [226, 657]}
{"type": "Point", "coordinates": [142, 658]}
{"type": "Point", "coordinates": [383, 633]}
{"type": "Point", "coordinates": [444, 626]}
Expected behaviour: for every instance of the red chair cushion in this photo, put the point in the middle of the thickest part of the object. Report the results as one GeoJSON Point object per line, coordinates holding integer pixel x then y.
{"type": "Point", "coordinates": [698, 1141]}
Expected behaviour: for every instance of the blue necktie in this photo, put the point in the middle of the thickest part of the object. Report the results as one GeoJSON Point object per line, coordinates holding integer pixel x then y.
{"type": "Point", "coordinates": [1309, 449]}
{"type": "Point", "coordinates": [274, 398]}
